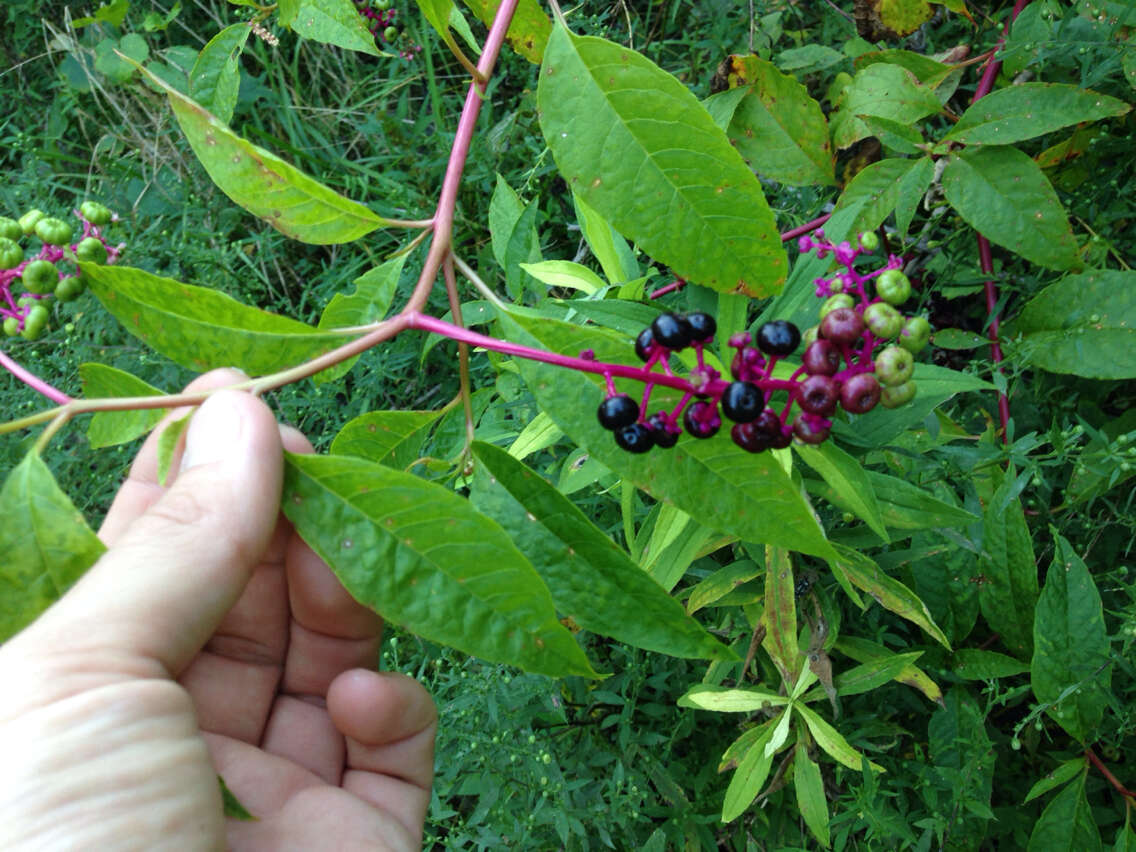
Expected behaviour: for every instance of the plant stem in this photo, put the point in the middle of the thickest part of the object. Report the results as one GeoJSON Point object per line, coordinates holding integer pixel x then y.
{"type": "Point", "coordinates": [806, 228]}
{"type": "Point", "coordinates": [1112, 779]}
{"type": "Point", "coordinates": [463, 348]}
{"type": "Point", "coordinates": [33, 381]}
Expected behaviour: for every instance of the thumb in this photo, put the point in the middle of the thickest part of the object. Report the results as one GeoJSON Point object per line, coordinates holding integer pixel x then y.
{"type": "Point", "coordinates": [166, 583]}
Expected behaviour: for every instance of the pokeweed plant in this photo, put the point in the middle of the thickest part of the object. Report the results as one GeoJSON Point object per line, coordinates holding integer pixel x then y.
{"type": "Point", "coordinates": [503, 574]}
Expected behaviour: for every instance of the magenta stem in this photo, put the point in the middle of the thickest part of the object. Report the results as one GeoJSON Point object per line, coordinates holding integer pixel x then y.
{"type": "Point", "coordinates": [985, 84]}
{"type": "Point", "coordinates": [677, 284]}
{"type": "Point", "coordinates": [32, 380]}
{"type": "Point", "coordinates": [806, 228]}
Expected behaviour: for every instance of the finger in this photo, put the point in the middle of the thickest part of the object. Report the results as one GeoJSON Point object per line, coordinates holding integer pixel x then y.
{"type": "Point", "coordinates": [141, 489]}
{"type": "Point", "coordinates": [234, 680]}
{"type": "Point", "coordinates": [389, 720]}
{"type": "Point", "coordinates": [161, 591]}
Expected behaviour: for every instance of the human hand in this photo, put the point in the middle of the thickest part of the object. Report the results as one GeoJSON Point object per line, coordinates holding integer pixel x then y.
{"type": "Point", "coordinates": [209, 639]}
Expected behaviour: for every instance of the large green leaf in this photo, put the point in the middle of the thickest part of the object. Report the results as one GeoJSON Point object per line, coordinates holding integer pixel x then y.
{"type": "Point", "coordinates": [1026, 110]}
{"type": "Point", "coordinates": [779, 128]}
{"type": "Point", "coordinates": [883, 90]}
{"type": "Point", "coordinates": [1060, 776]}
{"type": "Point", "coordinates": [809, 787]}
{"type": "Point", "coordinates": [872, 195]}
{"type": "Point", "coordinates": [117, 427]}
{"type": "Point", "coordinates": [865, 651]}
{"type": "Point", "coordinates": [45, 541]}
{"type": "Point", "coordinates": [591, 580]}
{"type": "Point", "coordinates": [295, 204]}
{"type": "Point", "coordinates": [727, 489]}
{"type": "Point", "coordinates": [1071, 668]}
{"type": "Point", "coordinates": [393, 438]}
{"type": "Point", "coordinates": [215, 79]}
{"type": "Point", "coordinates": [200, 328]}
{"type": "Point", "coordinates": [335, 22]}
{"type": "Point", "coordinates": [723, 699]}
{"type": "Point", "coordinates": [639, 148]}
{"type": "Point", "coordinates": [902, 506]}
{"type": "Point", "coordinates": [1067, 823]}
{"type": "Point", "coordinates": [1008, 593]}
{"type": "Point", "coordinates": [528, 31]}
{"type": "Point", "coordinates": [753, 768]}
{"type": "Point", "coordinates": [374, 292]}
{"type": "Point", "coordinates": [1084, 325]}
{"type": "Point", "coordinates": [889, 592]}
{"type": "Point", "coordinates": [780, 616]}
{"type": "Point", "coordinates": [829, 739]}
{"type": "Point", "coordinates": [1003, 194]}
{"type": "Point", "coordinates": [422, 557]}
{"type": "Point", "coordinates": [614, 255]}
{"type": "Point", "coordinates": [846, 477]}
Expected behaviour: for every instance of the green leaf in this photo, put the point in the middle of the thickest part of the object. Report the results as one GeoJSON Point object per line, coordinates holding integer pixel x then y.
{"type": "Point", "coordinates": [874, 673]}
{"type": "Point", "coordinates": [963, 758]}
{"type": "Point", "coordinates": [749, 778]}
{"type": "Point", "coordinates": [779, 129]}
{"type": "Point", "coordinates": [871, 196]}
{"type": "Point", "coordinates": [780, 617]}
{"type": "Point", "coordinates": [721, 583]}
{"type": "Point", "coordinates": [420, 556]}
{"type": "Point", "coordinates": [113, 13]}
{"type": "Point", "coordinates": [167, 443]}
{"type": "Point", "coordinates": [899, 137]}
{"type": "Point", "coordinates": [908, 507]}
{"type": "Point", "coordinates": [737, 493]}
{"type": "Point", "coordinates": [883, 90]}
{"type": "Point", "coordinates": [1125, 836]}
{"type": "Point", "coordinates": [528, 31]}
{"type": "Point", "coordinates": [1004, 195]}
{"type": "Point", "coordinates": [335, 22]}
{"type": "Point", "coordinates": [232, 805]}
{"type": "Point", "coordinates": [721, 699]}
{"type": "Point", "coordinates": [904, 16]}
{"type": "Point", "coordinates": [295, 204]}
{"type": "Point", "coordinates": [45, 541]}
{"type": "Point", "coordinates": [1066, 824]}
{"type": "Point", "coordinates": [393, 438]}
{"type": "Point", "coordinates": [809, 787]}
{"type": "Point", "coordinates": [200, 328]}
{"type": "Point", "coordinates": [1026, 110]}
{"type": "Point", "coordinates": [565, 274]}
{"type": "Point", "coordinates": [614, 255]}
{"type": "Point", "coordinates": [829, 739]}
{"type": "Point", "coordinates": [1071, 667]}
{"type": "Point", "coordinates": [1009, 592]}
{"type": "Point", "coordinates": [888, 592]}
{"type": "Point", "coordinates": [216, 77]}
{"type": "Point", "coordinates": [975, 664]}
{"type": "Point", "coordinates": [847, 477]}
{"type": "Point", "coordinates": [374, 292]}
{"type": "Point", "coordinates": [538, 434]}
{"type": "Point", "coordinates": [1084, 325]}
{"type": "Point", "coordinates": [809, 59]}
{"type": "Point", "coordinates": [913, 188]}
{"type": "Point", "coordinates": [862, 650]}
{"type": "Point", "coordinates": [1061, 775]}
{"type": "Point", "coordinates": [677, 187]}
{"type": "Point", "coordinates": [512, 228]}
{"type": "Point", "coordinates": [592, 581]}
{"type": "Point", "coordinates": [117, 427]}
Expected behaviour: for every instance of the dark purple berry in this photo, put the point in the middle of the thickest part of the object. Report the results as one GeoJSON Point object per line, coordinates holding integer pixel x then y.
{"type": "Point", "coordinates": [818, 395]}
{"type": "Point", "coordinates": [635, 438]}
{"type": "Point", "coordinates": [742, 401]}
{"type": "Point", "coordinates": [663, 431]}
{"type": "Point", "coordinates": [702, 327]}
{"type": "Point", "coordinates": [643, 344]}
{"type": "Point", "coordinates": [671, 331]}
{"type": "Point", "coordinates": [821, 358]}
{"type": "Point", "coordinates": [860, 393]}
{"type": "Point", "coordinates": [750, 438]}
{"type": "Point", "coordinates": [701, 419]}
{"type": "Point", "coordinates": [618, 411]}
{"type": "Point", "coordinates": [843, 325]}
{"type": "Point", "coordinates": [779, 337]}
{"type": "Point", "coordinates": [809, 429]}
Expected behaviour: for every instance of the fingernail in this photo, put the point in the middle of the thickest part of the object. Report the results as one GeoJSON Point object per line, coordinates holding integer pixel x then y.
{"type": "Point", "coordinates": [215, 431]}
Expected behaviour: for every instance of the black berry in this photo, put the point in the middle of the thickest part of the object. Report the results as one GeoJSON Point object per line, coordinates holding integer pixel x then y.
{"type": "Point", "coordinates": [818, 395]}
{"type": "Point", "coordinates": [779, 337]}
{"type": "Point", "coordinates": [701, 420]}
{"type": "Point", "coordinates": [671, 331]}
{"type": "Point", "coordinates": [618, 411]}
{"type": "Point", "coordinates": [742, 402]}
{"type": "Point", "coordinates": [635, 438]}
{"type": "Point", "coordinates": [664, 437]}
{"type": "Point", "coordinates": [643, 344]}
{"type": "Point", "coordinates": [702, 326]}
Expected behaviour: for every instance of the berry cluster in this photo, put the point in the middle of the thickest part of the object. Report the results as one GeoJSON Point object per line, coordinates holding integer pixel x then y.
{"type": "Point", "coordinates": [39, 279]}
{"type": "Point", "coordinates": [380, 20]}
{"type": "Point", "coordinates": [840, 366]}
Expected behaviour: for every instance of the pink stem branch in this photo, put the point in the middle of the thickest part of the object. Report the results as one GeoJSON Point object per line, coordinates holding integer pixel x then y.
{"type": "Point", "coordinates": [806, 228]}
{"type": "Point", "coordinates": [33, 381]}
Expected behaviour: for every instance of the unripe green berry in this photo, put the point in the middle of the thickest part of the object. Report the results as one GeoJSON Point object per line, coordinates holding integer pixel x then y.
{"type": "Point", "coordinates": [869, 241]}
{"type": "Point", "coordinates": [915, 335]}
{"type": "Point", "coordinates": [91, 249]}
{"type": "Point", "coordinates": [893, 286]}
{"type": "Point", "coordinates": [894, 365]}
{"type": "Point", "coordinates": [68, 289]}
{"type": "Point", "coordinates": [10, 229]}
{"type": "Point", "coordinates": [35, 322]}
{"type": "Point", "coordinates": [95, 213]}
{"type": "Point", "coordinates": [40, 276]}
{"type": "Point", "coordinates": [883, 319]}
{"type": "Point", "coordinates": [390, 33]}
{"type": "Point", "coordinates": [838, 300]}
{"type": "Point", "coordinates": [894, 396]}
{"type": "Point", "coordinates": [11, 255]}
{"type": "Point", "coordinates": [28, 221]}
{"type": "Point", "coordinates": [11, 326]}
{"type": "Point", "coordinates": [54, 232]}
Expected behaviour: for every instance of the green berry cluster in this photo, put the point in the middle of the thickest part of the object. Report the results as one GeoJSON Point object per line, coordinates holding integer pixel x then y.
{"type": "Point", "coordinates": [28, 284]}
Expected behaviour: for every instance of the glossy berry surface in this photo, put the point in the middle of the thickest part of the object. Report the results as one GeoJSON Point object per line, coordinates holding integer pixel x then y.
{"type": "Point", "coordinates": [742, 401]}
{"type": "Point", "coordinates": [643, 343]}
{"type": "Point", "coordinates": [701, 420]}
{"type": "Point", "coordinates": [818, 395]}
{"type": "Point", "coordinates": [894, 396]}
{"type": "Point", "coordinates": [703, 327]}
{"type": "Point", "coordinates": [635, 438]}
{"type": "Point", "coordinates": [843, 325]}
{"type": "Point", "coordinates": [894, 365]}
{"type": "Point", "coordinates": [893, 286]}
{"type": "Point", "coordinates": [663, 436]}
{"type": "Point", "coordinates": [778, 337]}
{"type": "Point", "coordinates": [750, 438]}
{"type": "Point", "coordinates": [618, 411]}
{"type": "Point", "coordinates": [883, 319]}
{"type": "Point", "coordinates": [671, 331]}
{"type": "Point", "coordinates": [810, 430]}
{"type": "Point", "coordinates": [915, 335]}
{"type": "Point", "coordinates": [859, 394]}
{"type": "Point", "coordinates": [821, 358]}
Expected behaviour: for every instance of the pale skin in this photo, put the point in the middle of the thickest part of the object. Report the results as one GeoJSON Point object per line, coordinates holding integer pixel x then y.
{"type": "Point", "coordinates": [209, 639]}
